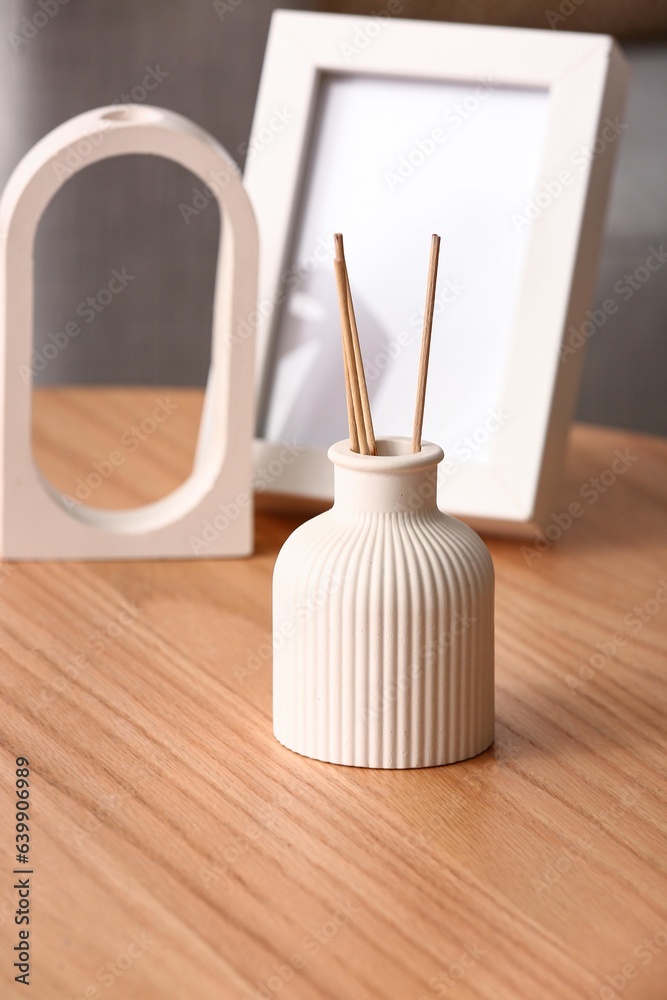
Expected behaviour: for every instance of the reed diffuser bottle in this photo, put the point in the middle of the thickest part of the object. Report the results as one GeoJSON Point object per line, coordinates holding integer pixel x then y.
{"type": "Point", "coordinates": [383, 604]}
{"type": "Point", "coordinates": [385, 609]}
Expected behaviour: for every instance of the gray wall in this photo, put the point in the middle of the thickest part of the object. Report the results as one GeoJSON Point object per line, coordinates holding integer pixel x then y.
{"type": "Point", "coordinates": [124, 213]}
{"type": "Point", "coordinates": [626, 363]}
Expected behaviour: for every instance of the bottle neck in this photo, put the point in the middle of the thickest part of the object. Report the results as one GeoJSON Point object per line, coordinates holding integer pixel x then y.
{"type": "Point", "coordinates": [401, 492]}
{"type": "Point", "coordinates": [395, 481]}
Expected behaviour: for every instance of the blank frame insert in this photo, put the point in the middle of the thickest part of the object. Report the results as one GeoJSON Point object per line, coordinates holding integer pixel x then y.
{"type": "Point", "coordinates": [392, 161]}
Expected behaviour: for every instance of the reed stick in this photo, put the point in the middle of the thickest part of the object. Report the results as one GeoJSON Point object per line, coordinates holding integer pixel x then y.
{"type": "Point", "coordinates": [353, 396]}
{"type": "Point", "coordinates": [426, 344]}
{"type": "Point", "coordinates": [361, 375]}
{"type": "Point", "coordinates": [351, 419]}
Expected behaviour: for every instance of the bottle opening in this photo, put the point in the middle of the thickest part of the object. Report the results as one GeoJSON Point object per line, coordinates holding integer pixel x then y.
{"type": "Point", "coordinates": [395, 454]}
{"type": "Point", "coordinates": [394, 446]}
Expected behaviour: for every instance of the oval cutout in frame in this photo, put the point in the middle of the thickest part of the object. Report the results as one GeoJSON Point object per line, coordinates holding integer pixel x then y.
{"type": "Point", "coordinates": [139, 300]}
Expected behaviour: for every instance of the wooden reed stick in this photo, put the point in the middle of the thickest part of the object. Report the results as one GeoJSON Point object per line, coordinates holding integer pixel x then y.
{"type": "Point", "coordinates": [351, 419]}
{"type": "Point", "coordinates": [426, 344]}
{"type": "Point", "coordinates": [361, 376]}
{"type": "Point", "coordinates": [354, 411]}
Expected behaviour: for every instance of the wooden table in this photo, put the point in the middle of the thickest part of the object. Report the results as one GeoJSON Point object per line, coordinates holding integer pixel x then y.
{"type": "Point", "coordinates": [179, 852]}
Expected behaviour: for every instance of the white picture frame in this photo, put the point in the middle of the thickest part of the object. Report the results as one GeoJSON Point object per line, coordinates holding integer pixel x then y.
{"type": "Point", "coordinates": [322, 74]}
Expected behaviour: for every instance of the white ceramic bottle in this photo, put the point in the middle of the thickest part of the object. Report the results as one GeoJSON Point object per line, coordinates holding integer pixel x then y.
{"type": "Point", "coordinates": [383, 621]}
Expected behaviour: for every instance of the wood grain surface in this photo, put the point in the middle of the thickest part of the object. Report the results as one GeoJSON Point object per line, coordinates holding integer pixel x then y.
{"type": "Point", "coordinates": [179, 852]}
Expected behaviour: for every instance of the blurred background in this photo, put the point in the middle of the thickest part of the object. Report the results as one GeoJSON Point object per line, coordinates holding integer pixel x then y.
{"type": "Point", "coordinates": [203, 59]}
